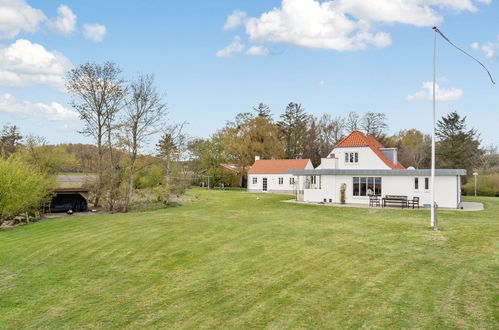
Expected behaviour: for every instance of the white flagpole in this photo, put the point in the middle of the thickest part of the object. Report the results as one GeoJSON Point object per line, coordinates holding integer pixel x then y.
{"type": "Point", "coordinates": [433, 211]}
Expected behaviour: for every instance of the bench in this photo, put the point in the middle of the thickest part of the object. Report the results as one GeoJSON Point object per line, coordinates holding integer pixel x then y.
{"type": "Point", "coordinates": [394, 199]}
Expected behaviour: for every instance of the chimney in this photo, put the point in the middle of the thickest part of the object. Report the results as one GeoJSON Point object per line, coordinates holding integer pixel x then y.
{"type": "Point", "coordinates": [257, 157]}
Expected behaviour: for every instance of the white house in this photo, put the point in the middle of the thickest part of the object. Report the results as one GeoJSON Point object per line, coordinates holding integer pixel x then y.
{"type": "Point", "coordinates": [269, 175]}
{"type": "Point", "coordinates": [366, 168]}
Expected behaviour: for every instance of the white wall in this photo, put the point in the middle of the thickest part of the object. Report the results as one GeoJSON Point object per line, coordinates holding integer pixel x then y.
{"type": "Point", "coordinates": [272, 183]}
{"type": "Point", "coordinates": [368, 160]}
{"type": "Point", "coordinates": [447, 190]}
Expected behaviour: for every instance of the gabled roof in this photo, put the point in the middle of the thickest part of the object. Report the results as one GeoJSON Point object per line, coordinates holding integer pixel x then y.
{"type": "Point", "coordinates": [277, 166]}
{"type": "Point", "coordinates": [358, 139]}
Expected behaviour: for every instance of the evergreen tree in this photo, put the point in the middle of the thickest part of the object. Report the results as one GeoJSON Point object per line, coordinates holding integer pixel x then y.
{"type": "Point", "coordinates": [457, 146]}
{"type": "Point", "coordinates": [293, 130]}
{"type": "Point", "coordinates": [262, 110]}
{"type": "Point", "coordinates": [10, 140]}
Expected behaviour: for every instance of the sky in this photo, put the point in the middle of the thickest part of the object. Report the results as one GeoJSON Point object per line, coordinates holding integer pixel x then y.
{"type": "Point", "coordinates": [214, 59]}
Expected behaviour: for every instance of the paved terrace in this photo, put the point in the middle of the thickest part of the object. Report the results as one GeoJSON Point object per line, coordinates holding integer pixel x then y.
{"type": "Point", "coordinates": [465, 206]}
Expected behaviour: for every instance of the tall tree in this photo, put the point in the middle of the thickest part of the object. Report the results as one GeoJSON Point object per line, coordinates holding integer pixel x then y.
{"type": "Point", "coordinates": [457, 146]}
{"type": "Point", "coordinates": [414, 147]}
{"type": "Point", "coordinates": [352, 122]}
{"type": "Point", "coordinates": [97, 90]}
{"type": "Point", "coordinates": [10, 140]}
{"type": "Point", "coordinates": [249, 136]}
{"type": "Point", "coordinates": [170, 148]}
{"type": "Point", "coordinates": [145, 112]}
{"type": "Point", "coordinates": [293, 129]}
{"type": "Point", "coordinates": [331, 131]}
{"type": "Point", "coordinates": [262, 110]}
{"type": "Point", "coordinates": [374, 123]}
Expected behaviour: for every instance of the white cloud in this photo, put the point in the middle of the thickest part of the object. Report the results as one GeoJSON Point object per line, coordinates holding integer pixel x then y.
{"type": "Point", "coordinates": [17, 16]}
{"type": "Point", "coordinates": [442, 94]}
{"type": "Point", "coordinates": [491, 49]}
{"type": "Point", "coordinates": [25, 63]}
{"type": "Point", "coordinates": [322, 83]}
{"type": "Point", "coordinates": [344, 24]}
{"type": "Point", "coordinates": [94, 32]}
{"type": "Point", "coordinates": [65, 22]}
{"type": "Point", "coordinates": [25, 109]}
{"type": "Point", "coordinates": [235, 19]}
{"type": "Point", "coordinates": [235, 47]}
{"type": "Point", "coordinates": [258, 51]}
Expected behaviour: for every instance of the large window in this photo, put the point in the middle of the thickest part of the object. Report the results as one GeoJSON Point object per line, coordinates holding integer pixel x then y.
{"type": "Point", "coordinates": [366, 186]}
{"type": "Point", "coordinates": [255, 180]}
{"type": "Point", "coordinates": [281, 180]}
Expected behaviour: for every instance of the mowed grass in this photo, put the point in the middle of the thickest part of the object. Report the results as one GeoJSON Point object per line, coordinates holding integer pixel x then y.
{"type": "Point", "coordinates": [237, 260]}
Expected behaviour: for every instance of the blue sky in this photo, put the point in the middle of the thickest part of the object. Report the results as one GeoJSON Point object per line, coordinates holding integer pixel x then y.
{"type": "Point", "coordinates": [331, 56]}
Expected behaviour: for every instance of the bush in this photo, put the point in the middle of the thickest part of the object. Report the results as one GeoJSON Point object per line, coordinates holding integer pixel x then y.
{"type": "Point", "coordinates": [24, 188]}
{"type": "Point", "coordinates": [487, 185]}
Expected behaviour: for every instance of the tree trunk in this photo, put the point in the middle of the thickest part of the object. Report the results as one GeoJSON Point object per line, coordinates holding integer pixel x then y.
{"type": "Point", "coordinates": [128, 198]}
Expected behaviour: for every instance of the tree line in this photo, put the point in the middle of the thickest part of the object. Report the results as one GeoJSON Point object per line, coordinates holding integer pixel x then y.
{"type": "Point", "coordinates": [124, 117]}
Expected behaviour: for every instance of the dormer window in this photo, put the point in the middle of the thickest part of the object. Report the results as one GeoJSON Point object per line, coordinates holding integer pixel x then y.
{"type": "Point", "coordinates": [351, 157]}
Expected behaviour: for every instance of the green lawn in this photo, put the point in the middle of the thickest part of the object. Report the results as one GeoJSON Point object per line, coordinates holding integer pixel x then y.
{"type": "Point", "coordinates": [238, 260]}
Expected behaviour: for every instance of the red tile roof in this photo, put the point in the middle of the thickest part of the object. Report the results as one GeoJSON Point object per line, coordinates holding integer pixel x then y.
{"type": "Point", "coordinates": [358, 139]}
{"type": "Point", "coordinates": [277, 166]}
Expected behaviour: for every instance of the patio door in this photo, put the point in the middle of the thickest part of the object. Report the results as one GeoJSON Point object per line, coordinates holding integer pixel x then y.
{"type": "Point", "coordinates": [264, 184]}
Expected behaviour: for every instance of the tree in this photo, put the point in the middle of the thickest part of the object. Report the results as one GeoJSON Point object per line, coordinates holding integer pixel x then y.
{"type": "Point", "coordinates": [457, 147]}
{"type": "Point", "coordinates": [23, 187]}
{"type": "Point", "coordinates": [262, 110]}
{"type": "Point", "coordinates": [374, 123]}
{"type": "Point", "coordinates": [312, 142]}
{"type": "Point", "coordinates": [414, 148]}
{"type": "Point", "coordinates": [98, 93]}
{"type": "Point", "coordinates": [171, 148]}
{"type": "Point", "coordinates": [10, 140]}
{"type": "Point", "coordinates": [331, 132]}
{"type": "Point", "coordinates": [145, 112]}
{"type": "Point", "coordinates": [293, 129]}
{"type": "Point", "coordinates": [48, 159]}
{"type": "Point", "coordinates": [249, 136]}
{"type": "Point", "coordinates": [352, 122]}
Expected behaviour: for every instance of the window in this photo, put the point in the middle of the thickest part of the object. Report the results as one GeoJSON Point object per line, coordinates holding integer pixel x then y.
{"type": "Point", "coordinates": [377, 186]}
{"type": "Point", "coordinates": [426, 183]}
{"type": "Point", "coordinates": [291, 180]}
{"type": "Point", "coordinates": [416, 183]}
{"type": "Point", "coordinates": [356, 188]}
{"type": "Point", "coordinates": [351, 157]}
{"type": "Point", "coordinates": [365, 186]}
{"type": "Point", "coordinates": [313, 179]}
{"type": "Point", "coordinates": [370, 186]}
{"type": "Point", "coordinates": [281, 180]}
{"type": "Point", "coordinates": [255, 180]}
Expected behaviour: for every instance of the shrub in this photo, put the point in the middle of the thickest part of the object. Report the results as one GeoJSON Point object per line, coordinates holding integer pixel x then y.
{"type": "Point", "coordinates": [487, 185]}
{"type": "Point", "coordinates": [24, 188]}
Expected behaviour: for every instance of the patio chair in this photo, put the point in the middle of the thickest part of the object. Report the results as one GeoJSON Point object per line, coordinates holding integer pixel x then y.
{"type": "Point", "coordinates": [414, 202]}
{"type": "Point", "coordinates": [374, 201]}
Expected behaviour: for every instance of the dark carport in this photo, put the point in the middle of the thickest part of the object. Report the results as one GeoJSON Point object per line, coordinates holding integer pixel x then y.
{"type": "Point", "coordinates": [65, 199]}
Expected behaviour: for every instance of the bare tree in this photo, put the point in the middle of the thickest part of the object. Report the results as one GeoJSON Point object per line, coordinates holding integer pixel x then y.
{"type": "Point", "coordinates": [352, 121]}
{"type": "Point", "coordinates": [145, 112]}
{"type": "Point", "coordinates": [374, 123]}
{"type": "Point", "coordinates": [97, 89]}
